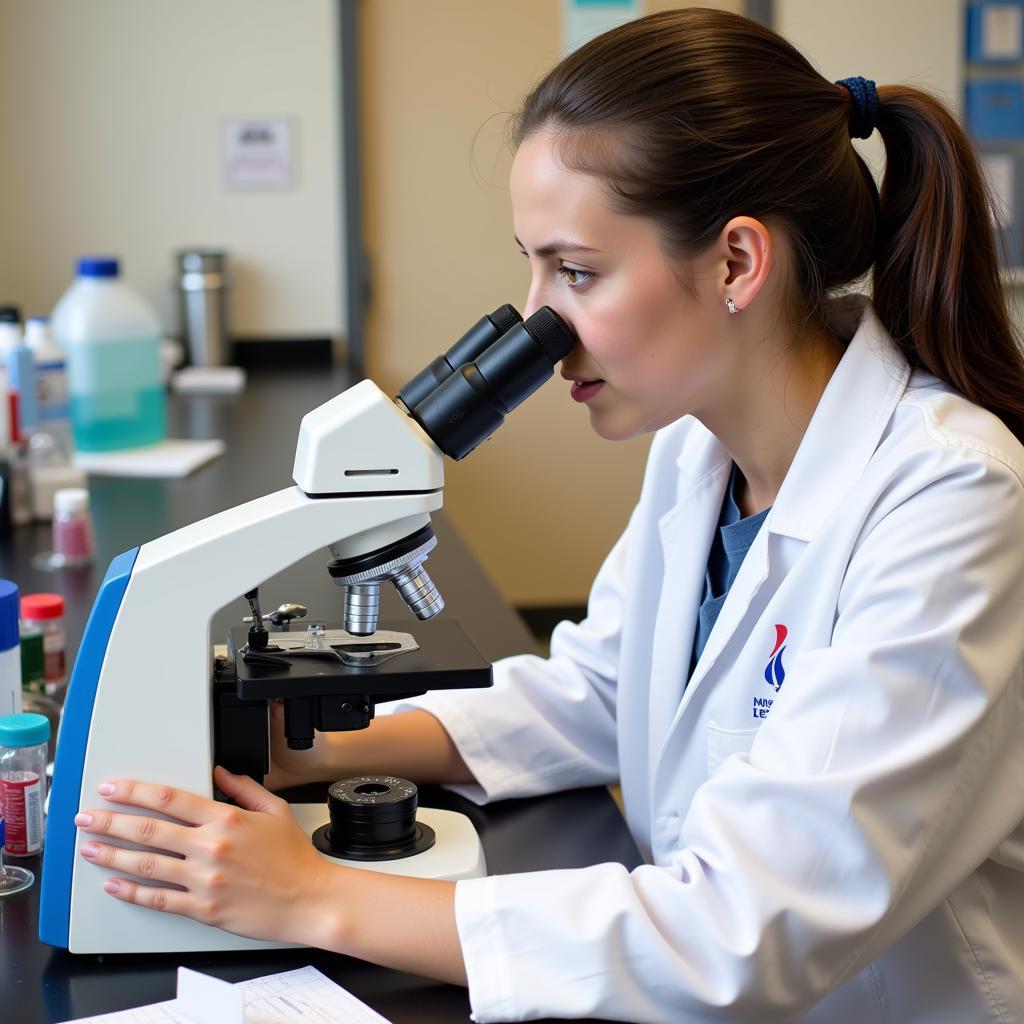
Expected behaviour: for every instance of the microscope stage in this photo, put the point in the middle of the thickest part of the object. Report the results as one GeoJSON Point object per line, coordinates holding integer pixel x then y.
{"type": "Point", "coordinates": [445, 660]}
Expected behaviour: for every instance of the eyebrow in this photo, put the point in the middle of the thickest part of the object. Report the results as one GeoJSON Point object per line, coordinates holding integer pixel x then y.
{"type": "Point", "coordinates": [557, 246]}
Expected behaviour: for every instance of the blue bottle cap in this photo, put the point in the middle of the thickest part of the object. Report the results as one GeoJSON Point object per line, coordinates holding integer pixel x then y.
{"type": "Point", "coordinates": [9, 609]}
{"type": "Point", "coordinates": [24, 730]}
{"type": "Point", "coordinates": [97, 266]}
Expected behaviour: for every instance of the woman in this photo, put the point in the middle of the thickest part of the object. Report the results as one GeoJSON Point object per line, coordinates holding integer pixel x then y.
{"type": "Point", "coordinates": [827, 777]}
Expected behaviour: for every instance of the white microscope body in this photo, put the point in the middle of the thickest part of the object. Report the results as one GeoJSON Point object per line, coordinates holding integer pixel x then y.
{"type": "Point", "coordinates": [366, 474]}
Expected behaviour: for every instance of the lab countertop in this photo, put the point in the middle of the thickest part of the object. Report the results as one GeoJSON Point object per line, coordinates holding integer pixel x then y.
{"type": "Point", "coordinates": [40, 985]}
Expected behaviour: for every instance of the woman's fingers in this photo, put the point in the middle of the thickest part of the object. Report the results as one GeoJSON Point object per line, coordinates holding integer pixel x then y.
{"type": "Point", "coordinates": [170, 901]}
{"type": "Point", "coordinates": [175, 803]}
{"type": "Point", "coordinates": [145, 864]}
{"type": "Point", "coordinates": [248, 793]}
{"type": "Point", "coordinates": [144, 830]}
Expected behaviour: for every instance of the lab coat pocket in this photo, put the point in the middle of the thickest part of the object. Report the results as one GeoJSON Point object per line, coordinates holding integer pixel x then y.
{"type": "Point", "coordinates": [723, 742]}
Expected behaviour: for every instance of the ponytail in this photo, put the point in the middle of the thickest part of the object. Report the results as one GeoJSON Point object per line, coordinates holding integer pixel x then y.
{"type": "Point", "coordinates": [936, 272]}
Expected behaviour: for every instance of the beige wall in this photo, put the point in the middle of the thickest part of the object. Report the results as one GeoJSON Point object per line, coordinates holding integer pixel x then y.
{"type": "Point", "coordinates": [110, 140]}
{"type": "Point", "coordinates": [544, 499]}
{"type": "Point", "coordinates": [922, 45]}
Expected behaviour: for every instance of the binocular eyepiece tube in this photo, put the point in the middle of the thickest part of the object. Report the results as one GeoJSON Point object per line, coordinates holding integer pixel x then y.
{"type": "Point", "coordinates": [472, 401]}
{"type": "Point", "coordinates": [487, 330]}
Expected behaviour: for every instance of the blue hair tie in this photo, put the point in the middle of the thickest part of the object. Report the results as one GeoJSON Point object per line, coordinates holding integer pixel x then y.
{"type": "Point", "coordinates": [865, 105]}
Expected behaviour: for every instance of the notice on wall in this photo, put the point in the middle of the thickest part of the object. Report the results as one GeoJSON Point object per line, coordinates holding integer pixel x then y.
{"type": "Point", "coordinates": [258, 153]}
{"type": "Point", "coordinates": [584, 19]}
{"type": "Point", "coordinates": [1002, 32]}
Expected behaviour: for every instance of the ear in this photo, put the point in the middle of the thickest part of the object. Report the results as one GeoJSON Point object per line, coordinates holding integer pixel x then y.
{"type": "Point", "coordinates": [747, 247]}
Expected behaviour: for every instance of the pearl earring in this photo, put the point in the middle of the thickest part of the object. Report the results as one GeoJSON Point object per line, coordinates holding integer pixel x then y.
{"type": "Point", "coordinates": [731, 306]}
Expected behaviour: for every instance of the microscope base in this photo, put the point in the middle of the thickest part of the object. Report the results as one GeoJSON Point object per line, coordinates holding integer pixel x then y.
{"type": "Point", "coordinates": [456, 854]}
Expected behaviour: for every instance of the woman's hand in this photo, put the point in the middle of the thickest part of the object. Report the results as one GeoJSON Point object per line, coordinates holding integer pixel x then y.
{"type": "Point", "coordinates": [248, 869]}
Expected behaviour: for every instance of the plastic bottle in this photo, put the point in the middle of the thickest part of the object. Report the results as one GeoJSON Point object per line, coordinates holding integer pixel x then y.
{"type": "Point", "coordinates": [24, 391]}
{"type": "Point", "coordinates": [73, 543]}
{"type": "Point", "coordinates": [23, 749]}
{"type": "Point", "coordinates": [10, 650]}
{"type": "Point", "coordinates": [24, 417]}
{"type": "Point", "coordinates": [54, 412]}
{"type": "Point", "coordinates": [112, 340]}
{"type": "Point", "coordinates": [10, 337]}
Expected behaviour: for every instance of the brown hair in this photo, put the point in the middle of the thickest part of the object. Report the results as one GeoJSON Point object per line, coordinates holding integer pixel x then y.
{"type": "Point", "coordinates": [696, 116]}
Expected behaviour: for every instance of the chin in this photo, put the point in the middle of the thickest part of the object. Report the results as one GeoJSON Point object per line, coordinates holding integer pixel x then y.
{"type": "Point", "coordinates": [611, 429]}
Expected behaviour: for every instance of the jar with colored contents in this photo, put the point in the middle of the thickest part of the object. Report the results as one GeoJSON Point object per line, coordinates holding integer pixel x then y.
{"type": "Point", "coordinates": [45, 612]}
{"type": "Point", "coordinates": [23, 741]}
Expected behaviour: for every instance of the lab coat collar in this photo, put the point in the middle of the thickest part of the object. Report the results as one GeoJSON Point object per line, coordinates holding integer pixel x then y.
{"type": "Point", "coordinates": [848, 424]}
{"type": "Point", "coordinates": [844, 431]}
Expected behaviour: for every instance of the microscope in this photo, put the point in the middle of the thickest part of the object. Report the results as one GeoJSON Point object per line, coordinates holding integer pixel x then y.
{"type": "Point", "coordinates": [368, 472]}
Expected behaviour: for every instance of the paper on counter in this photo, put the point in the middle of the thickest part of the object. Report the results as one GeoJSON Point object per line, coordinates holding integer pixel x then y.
{"type": "Point", "coordinates": [205, 1000]}
{"type": "Point", "coordinates": [170, 458]}
{"type": "Point", "coordinates": [304, 995]}
{"type": "Point", "coordinates": [209, 380]}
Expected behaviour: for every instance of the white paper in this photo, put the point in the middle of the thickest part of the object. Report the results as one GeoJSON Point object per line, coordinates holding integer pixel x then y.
{"type": "Point", "coordinates": [209, 380]}
{"type": "Point", "coordinates": [303, 996]}
{"type": "Point", "coordinates": [1001, 31]}
{"type": "Point", "coordinates": [170, 458]}
{"type": "Point", "coordinates": [998, 168]}
{"type": "Point", "coordinates": [206, 1000]}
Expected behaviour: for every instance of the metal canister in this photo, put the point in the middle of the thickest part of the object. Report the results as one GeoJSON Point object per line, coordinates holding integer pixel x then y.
{"type": "Point", "coordinates": [203, 285]}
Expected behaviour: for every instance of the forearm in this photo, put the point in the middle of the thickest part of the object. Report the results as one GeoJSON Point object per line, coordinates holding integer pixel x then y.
{"type": "Point", "coordinates": [407, 924]}
{"type": "Point", "coordinates": [413, 745]}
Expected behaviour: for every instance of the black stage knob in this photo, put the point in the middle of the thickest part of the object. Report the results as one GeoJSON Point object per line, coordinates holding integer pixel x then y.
{"type": "Point", "coordinates": [373, 817]}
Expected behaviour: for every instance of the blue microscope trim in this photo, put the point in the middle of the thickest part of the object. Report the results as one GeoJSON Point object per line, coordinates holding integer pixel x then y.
{"type": "Point", "coordinates": [66, 790]}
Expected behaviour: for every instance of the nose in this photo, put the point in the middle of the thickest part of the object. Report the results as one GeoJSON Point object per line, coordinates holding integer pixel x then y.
{"type": "Point", "coordinates": [534, 300]}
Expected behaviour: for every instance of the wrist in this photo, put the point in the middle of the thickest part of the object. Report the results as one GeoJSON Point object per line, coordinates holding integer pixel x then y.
{"type": "Point", "coordinates": [321, 917]}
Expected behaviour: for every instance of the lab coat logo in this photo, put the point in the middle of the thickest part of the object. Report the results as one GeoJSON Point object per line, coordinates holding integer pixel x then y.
{"type": "Point", "coordinates": [774, 671]}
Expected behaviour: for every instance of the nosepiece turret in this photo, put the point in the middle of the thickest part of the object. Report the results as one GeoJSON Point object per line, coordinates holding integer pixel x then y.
{"type": "Point", "coordinates": [401, 562]}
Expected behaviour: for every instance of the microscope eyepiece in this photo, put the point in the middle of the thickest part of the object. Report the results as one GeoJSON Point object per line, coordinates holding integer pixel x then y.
{"type": "Point", "coordinates": [471, 403]}
{"type": "Point", "coordinates": [475, 341]}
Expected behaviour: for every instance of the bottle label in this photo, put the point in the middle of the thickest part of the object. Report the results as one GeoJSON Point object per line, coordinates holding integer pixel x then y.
{"type": "Point", "coordinates": [21, 797]}
{"type": "Point", "coordinates": [52, 390]}
{"type": "Point", "coordinates": [53, 656]}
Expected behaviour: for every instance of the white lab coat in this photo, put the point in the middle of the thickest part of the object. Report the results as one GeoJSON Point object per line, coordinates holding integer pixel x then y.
{"type": "Point", "coordinates": [843, 846]}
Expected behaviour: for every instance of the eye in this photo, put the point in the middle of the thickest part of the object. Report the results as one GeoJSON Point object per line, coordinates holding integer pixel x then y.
{"type": "Point", "coordinates": [574, 277]}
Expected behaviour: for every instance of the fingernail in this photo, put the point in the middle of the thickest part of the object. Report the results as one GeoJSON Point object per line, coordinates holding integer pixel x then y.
{"type": "Point", "coordinates": [83, 820]}
{"type": "Point", "coordinates": [112, 885]}
{"type": "Point", "coordinates": [106, 788]}
{"type": "Point", "coordinates": [89, 850]}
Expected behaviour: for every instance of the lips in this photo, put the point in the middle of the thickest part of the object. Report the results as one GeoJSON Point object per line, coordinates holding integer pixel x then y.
{"type": "Point", "coordinates": [584, 390]}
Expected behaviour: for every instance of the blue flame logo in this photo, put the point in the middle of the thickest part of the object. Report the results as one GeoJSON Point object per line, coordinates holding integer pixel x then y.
{"type": "Point", "coordinates": [774, 671]}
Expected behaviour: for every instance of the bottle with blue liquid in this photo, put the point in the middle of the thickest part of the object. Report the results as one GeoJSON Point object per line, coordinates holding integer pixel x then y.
{"type": "Point", "coordinates": [112, 340]}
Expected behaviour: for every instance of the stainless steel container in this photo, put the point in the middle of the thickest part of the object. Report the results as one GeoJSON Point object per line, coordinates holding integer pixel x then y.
{"type": "Point", "coordinates": [203, 285]}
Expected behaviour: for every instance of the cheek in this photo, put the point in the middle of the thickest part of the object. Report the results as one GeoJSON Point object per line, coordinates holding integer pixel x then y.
{"type": "Point", "coordinates": [651, 332]}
